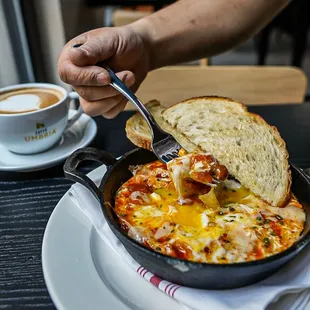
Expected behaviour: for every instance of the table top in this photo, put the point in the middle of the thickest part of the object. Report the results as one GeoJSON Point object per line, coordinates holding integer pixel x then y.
{"type": "Point", "coordinates": [28, 199]}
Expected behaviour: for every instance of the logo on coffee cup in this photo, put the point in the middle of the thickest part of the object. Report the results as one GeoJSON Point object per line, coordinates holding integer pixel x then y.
{"type": "Point", "coordinates": [40, 133]}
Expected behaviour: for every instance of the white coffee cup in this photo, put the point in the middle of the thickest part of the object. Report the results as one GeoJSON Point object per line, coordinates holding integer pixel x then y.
{"type": "Point", "coordinates": [36, 131]}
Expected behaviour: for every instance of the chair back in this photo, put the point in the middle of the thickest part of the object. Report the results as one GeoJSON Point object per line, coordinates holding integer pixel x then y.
{"type": "Point", "coordinates": [252, 85]}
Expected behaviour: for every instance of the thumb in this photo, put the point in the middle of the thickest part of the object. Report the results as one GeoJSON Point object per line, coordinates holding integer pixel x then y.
{"type": "Point", "coordinates": [91, 52]}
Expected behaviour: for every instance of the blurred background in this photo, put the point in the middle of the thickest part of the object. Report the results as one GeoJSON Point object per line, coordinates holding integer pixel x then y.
{"type": "Point", "coordinates": [32, 33]}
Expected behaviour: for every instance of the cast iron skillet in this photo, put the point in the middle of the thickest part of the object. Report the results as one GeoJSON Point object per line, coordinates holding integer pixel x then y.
{"type": "Point", "coordinates": [198, 275]}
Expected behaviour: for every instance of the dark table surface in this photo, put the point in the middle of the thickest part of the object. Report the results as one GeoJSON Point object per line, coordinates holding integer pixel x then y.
{"type": "Point", "coordinates": [28, 199]}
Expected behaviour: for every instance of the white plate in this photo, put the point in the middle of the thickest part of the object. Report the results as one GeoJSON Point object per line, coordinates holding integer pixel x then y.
{"type": "Point", "coordinates": [80, 134]}
{"type": "Point", "coordinates": [81, 272]}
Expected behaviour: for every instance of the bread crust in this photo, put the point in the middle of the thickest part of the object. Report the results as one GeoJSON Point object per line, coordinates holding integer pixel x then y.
{"type": "Point", "coordinates": [281, 142]}
{"type": "Point", "coordinates": [213, 97]}
{"type": "Point", "coordinates": [134, 137]}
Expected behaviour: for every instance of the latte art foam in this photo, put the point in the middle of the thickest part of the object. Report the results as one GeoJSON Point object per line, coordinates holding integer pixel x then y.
{"type": "Point", "coordinates": [20, 103]}
{"type": "Point", "coordinates": [28, 100]}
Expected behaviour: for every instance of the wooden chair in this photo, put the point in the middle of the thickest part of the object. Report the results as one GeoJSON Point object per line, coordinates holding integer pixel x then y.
{"type": "Point", "coordinates": [251, 85]}
{"type": "Point", "coordinates": [123, 17]}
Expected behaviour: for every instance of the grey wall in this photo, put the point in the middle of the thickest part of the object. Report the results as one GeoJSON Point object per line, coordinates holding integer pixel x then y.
{"type": "Point", "coordinates": [8, 70]}
{"type": "Point", "coordinates": [78, 18]}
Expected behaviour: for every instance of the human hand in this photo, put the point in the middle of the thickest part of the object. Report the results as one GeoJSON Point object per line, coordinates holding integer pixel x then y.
{"type": "Point", "coordinates": [122, 49]}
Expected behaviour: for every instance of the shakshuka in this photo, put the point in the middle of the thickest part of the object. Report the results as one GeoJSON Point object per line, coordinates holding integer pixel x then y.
{"type": "Point", "coordinates": [192, 209]}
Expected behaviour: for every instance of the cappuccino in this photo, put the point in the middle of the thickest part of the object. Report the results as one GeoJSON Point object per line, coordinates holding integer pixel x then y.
{"type": "Point", "coordinates": [28, 99]}
{"type": "Point", "coordinates": [41, 128]}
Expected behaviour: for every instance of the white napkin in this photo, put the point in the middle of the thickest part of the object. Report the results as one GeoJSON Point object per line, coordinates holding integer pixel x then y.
{"type": "Point", "coordinates": [293, 276]}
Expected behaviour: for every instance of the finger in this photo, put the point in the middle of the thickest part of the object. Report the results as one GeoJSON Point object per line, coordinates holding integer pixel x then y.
{"type": "Point", "coordinates": [116, 109]}
{"type": "Point", "coordinates": [100, 107]}
{"type": "Point", "coordinates": [92, 50]}
{"type": "Point", "coordinates": [64, 55]}
{"type": "Point", "coordinates": [91, 93]}
{"type": "Point", "coordinates": [88, 75]}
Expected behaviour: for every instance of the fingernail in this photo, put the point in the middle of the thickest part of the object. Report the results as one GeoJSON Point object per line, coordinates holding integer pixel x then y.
{"type": "Point", "coordinates": [102, 78]}
{"type": "Point", "coordinates": [77, 45]}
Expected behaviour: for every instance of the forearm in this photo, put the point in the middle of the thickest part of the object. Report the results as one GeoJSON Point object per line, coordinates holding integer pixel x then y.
{"type": "Point", "coordinates": [193, 29]}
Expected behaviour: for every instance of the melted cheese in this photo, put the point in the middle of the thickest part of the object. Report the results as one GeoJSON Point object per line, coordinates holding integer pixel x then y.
{"type": "Point", "coordinates": [179, 170]}
{"type": "Point", "coordinates": [194, 173]}
{"type": "Point", "coordinates": [289, 213]}
{"type": "Point", "coordinates": [226, 225]}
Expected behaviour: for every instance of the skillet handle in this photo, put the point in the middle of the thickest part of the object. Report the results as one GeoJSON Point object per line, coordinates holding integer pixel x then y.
{"type": "Point", "coordinates": [306, 172]}
{"type": "Point", "coordinates": [80, 155]}
{"type": "Point", "coordinates": [303, 171]}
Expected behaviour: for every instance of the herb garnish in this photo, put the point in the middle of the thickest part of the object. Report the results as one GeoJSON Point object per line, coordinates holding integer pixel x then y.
{"type": "Point", "coordinates": [266, 242]}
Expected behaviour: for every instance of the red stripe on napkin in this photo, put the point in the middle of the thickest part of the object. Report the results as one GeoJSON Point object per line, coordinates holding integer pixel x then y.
{"type": "Point", "coordinates": [170, 289]}
{"type": "Point", "coordinates": [144, 273]}
{"type": "Point", "coordinates": [167, 287]}
{"type": "Point", "coordinates": [155, 281]}
{"type": "Point", "coordinates": [172, 294]}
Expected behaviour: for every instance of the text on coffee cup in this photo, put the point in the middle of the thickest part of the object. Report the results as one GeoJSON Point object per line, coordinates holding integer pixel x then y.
{"type": "Point", "coordinates": [40, 136]}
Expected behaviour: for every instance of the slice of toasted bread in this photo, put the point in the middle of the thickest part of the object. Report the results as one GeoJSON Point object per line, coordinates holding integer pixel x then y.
{"type": "Point", "coordinates": [139, 133]}
{"type": "Point", "coordinates": [253, 151]}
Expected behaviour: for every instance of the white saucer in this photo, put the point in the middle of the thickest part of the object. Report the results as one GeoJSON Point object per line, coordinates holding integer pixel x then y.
{"type": "Point", "coordinates": [81, 272]}
{"type": "Point", "coordinates": [80, 134]}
